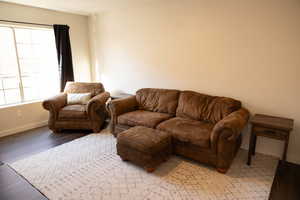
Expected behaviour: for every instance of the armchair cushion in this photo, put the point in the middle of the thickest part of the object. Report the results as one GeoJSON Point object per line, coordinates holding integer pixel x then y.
{"type": "Point", "coordinates": [188, 130]}
{"type": "Point", "coordinates": [143, 118]}
{"type": "Point", "coordinates": [70, 112]}
{"type": "Point", "coordinates": [80, 87]}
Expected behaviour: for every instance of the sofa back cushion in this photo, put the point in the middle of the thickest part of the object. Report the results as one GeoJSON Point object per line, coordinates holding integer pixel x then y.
{"type": "Point", "coordinates": [199, 106]}
{"type": "Point", "coordinates": [158, 100]}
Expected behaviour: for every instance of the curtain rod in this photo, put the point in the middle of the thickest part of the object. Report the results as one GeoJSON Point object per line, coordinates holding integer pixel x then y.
{"type": "Point", "coordinates": [18, 22]}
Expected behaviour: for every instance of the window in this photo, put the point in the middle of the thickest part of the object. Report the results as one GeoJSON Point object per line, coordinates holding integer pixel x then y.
{"type": "Point", "coordinates": [28, 64]}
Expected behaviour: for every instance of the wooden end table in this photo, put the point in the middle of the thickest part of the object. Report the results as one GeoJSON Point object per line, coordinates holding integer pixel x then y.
{"type": "Point", "coordinates": [120, 96]}
{"type": "Point", "coordinates": [271, 127]}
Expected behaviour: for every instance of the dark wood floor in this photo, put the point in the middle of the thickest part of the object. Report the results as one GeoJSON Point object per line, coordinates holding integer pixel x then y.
{"type": "Point", "coordinates": [18, 146]}
{"type": "Point", "coordinates": [15, 147]}
{"type": "Point", "coordinates": [286, 184]}
{"type": "Point", "coordinates": [14, 187]}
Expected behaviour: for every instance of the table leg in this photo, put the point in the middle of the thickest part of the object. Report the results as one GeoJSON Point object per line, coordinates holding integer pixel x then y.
{"type": "Point", "coordinates": [250, 148]}
{"type": "Point", "coordinates": [286, 144]}
{"type": "Point", "coordinates": [254, 144]}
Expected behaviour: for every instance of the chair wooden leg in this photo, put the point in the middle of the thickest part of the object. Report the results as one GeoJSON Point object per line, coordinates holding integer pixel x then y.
{"type": "Point", "coordinates": [95, 130]}
{"type": "Point", "coordinates": [57, 130]}
{"type": "Point", "coordinates": [125, 159]}
{"type": "Point", "coordinates": [222, 170]}
{"type": "Point", "coordinates": [150, 169]}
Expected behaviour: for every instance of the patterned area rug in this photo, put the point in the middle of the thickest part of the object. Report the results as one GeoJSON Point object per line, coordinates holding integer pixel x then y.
{"type": "Point", "coordinates": [89, 169]}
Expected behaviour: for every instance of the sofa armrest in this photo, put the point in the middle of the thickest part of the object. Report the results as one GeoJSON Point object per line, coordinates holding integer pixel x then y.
{"type": "Point", "coordinates": [123, 105]}
{"type": "Point", "coordinates": [119, 106]}
{"type": "Point", "coordinates": [230, 127]}
{"type": "Point", "coordinates": [96, 103]}
{"type": "Point", "coordinates": [54, 104]}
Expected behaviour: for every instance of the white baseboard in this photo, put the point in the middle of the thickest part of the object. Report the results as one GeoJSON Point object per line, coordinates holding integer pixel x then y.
{"type": "Point", "coordinates": [293, 159]}
{"type": "Point", "coordinates": [22, 128]}
{"type": "Point", "coordinates": [290, 158]}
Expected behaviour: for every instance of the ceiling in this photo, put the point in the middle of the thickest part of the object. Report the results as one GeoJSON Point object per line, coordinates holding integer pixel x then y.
{"type": "Point", "coordinates": [83, 7]}
{"type": "Point", "coordinates": [88, 7]}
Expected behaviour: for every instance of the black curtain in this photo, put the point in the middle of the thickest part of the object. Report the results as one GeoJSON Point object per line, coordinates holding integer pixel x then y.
{"type": "Point", "coordinates": [64, 54]}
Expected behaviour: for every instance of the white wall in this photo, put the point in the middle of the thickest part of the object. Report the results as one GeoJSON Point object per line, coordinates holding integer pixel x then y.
{"type": "Point", "coordinates": [19, 118]}
{"type": "Point", "coordinates": [248, 50]}
{"type": "Point", "coordinates": [94, 46]}
{"type": "Point", "coordinates": [33, 115]}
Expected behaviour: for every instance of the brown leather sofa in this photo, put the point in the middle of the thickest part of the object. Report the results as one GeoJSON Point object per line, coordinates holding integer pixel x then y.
{"type": "Point", "coordinates": [86, 116]}
{"type": "Point", "coordinates": [204, 128]}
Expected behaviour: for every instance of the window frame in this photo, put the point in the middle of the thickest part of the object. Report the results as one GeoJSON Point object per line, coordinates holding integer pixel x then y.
{"type": "Point", "coordinates": [19, 74]}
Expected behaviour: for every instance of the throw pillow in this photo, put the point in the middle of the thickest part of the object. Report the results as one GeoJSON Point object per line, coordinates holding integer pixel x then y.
{"type": "Point", "coordinates": [78, 98]}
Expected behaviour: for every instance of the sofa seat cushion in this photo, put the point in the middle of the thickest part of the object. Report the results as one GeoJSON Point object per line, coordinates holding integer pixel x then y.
{"type": "Point", "coordinates": [143, 118]}
{"type": "Point", "coordinates": [188, 130]}
{"type": "Point", "coordinates": [73, 112]}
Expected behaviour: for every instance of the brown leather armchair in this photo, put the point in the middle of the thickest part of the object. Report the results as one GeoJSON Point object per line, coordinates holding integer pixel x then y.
{"type": "Point", "coordinates": [78, 116]}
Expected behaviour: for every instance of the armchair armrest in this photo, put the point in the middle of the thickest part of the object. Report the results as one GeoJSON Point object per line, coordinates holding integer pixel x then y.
{"type": "Point", "coordinates": [55, 103]}
{"type": "Point", "coordinates": [230, 127]}
{"type": "Point", "coordinates": [97, 102]}
{"type": "Point", "coordinates": [120, 106]}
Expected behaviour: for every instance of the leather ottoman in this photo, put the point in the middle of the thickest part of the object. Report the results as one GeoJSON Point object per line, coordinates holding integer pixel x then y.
{"type": "Point", "coordinates": [144, 146]}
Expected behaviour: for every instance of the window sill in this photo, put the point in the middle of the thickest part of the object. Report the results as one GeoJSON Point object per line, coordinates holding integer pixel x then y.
{"type": "Point", "coordinates": [20, 104]}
